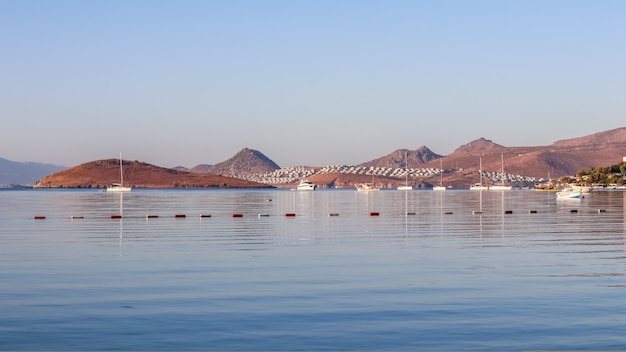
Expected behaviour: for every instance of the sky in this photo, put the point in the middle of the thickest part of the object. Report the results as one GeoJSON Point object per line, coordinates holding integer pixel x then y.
{"type": "Point", "coordinates": [182, 83]}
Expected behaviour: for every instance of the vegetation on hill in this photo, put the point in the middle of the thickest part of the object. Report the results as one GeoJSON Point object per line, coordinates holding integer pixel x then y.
{"type": "Point", "coordinates": [614, 174]}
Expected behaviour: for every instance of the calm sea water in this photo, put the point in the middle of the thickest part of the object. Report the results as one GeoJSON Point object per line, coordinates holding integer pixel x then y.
{"type": "Point", "coordinates": [441, 278]}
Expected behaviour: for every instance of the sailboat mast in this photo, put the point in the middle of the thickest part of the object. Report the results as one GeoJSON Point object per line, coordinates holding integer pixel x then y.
{"type": "Point", "coordinates": [121, 172]}
{"type": "Point", "coordinates": [480, 172]}
{"type": "Point", "coordinates": [441, 171]}
{"type": "Point", "coordinates": [406, 169]}
{"type": "Point", "coordinates": [502, 176]}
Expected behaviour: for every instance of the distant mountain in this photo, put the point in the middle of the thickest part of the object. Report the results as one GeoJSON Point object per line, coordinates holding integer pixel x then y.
{"type": "Point", "coordinates": [399, 158]}
{"type": "Point", "coordinates": [203, 168]}
{"type": "Point", "coordinates": [562, 158]}
{"type": "Point", "coordinates": [24, 173]}
{"type": "Point", "coordinates": [479, 147]}
{"type": "Point", "coordinates": [245, 162]}
{"type": "Point", "coordinates": [101, 173]}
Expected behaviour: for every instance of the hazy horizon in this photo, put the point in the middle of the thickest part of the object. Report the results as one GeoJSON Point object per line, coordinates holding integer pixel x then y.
{"type": "Point", "coordinates": [188, 83]}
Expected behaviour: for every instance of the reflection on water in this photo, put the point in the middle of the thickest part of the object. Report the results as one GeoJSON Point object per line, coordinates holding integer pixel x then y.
{"type": "Point", "coordinates": [447, 277]}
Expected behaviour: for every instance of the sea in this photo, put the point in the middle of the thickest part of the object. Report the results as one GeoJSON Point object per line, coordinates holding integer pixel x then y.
{"type": "Point", "coordinates": [325, 270]}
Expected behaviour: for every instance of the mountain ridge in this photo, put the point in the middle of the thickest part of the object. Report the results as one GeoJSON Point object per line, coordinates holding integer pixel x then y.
{"type": "Point", "coordinates": [24, 173]}
{"type": "Point", "coordinates": [561, 158]}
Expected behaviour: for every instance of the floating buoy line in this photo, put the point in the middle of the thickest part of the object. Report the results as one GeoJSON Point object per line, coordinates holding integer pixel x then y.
{"type": "Point", "coordinates": [291, 215]}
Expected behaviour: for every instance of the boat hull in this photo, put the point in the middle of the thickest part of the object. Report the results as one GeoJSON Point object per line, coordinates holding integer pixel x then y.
{"type": "Point", "coordinates": [119, 189]}
{"type": "Point", "coordinates": [569, 194]}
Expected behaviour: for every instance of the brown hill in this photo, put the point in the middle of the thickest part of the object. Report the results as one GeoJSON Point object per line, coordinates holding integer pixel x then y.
{"type": "Point", "coordinates": [562, 158]}
{"type": "Point", "coordinates": [101, 173]}
{"type": "Point", "coordinates": [479, 147]}
{"type": "Point", "coordinates": [245, 162]}
{"type": "Point", "coordinates": [399, 158]}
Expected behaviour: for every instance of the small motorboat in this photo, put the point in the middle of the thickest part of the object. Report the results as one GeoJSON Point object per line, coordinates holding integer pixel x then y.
{"type": "Point", "coordinates": [569, 193]}
{"type": "Point", "coordinates": [306, 185]}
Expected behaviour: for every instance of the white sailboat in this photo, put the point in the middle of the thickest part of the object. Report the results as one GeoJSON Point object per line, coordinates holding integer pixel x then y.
{"type": "Point", "coordinates": [501, 187]}
{"type": "Point", "coordinates": [119, 187]}
{"type": "Point", "coordinates": [406, 186]}
{"type": "Point", "coordinates": [479, 186]}
{"type": "Point", "coordinates": [367, 187]}
{"type": "Point", "coordinates": [440, 187]}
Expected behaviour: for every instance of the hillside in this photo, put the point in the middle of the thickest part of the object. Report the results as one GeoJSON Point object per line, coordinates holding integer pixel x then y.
{"type": "Point", "coordinates": [402, 157]}
{"type": "Point", "coordinates": [562, 158]}
{"type": "Point", "coordinates": [101, 173]}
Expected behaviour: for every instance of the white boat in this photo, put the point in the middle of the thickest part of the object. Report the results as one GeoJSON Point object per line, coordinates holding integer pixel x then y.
{"type": "Point", "coordinates": [405, 186]}
{"type": "Point", "coordinates": [479, 186]}
{"type": "Point", "coordinates": [306, 185]}
{"type": "Point", "coordinates": [569, 193]}
{"type": "Point", "coordinates": [366, 187]}
{"type": "Point", "coordinates": [440, 187]}
{"type": "Point", "coordinates": [501, 187]}
{"type": "Point", "coordinates": [119, 187]}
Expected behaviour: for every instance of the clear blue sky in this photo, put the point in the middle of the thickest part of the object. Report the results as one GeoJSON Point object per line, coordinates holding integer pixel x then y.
{"type": "Point", "coordinates": [305, 82]}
